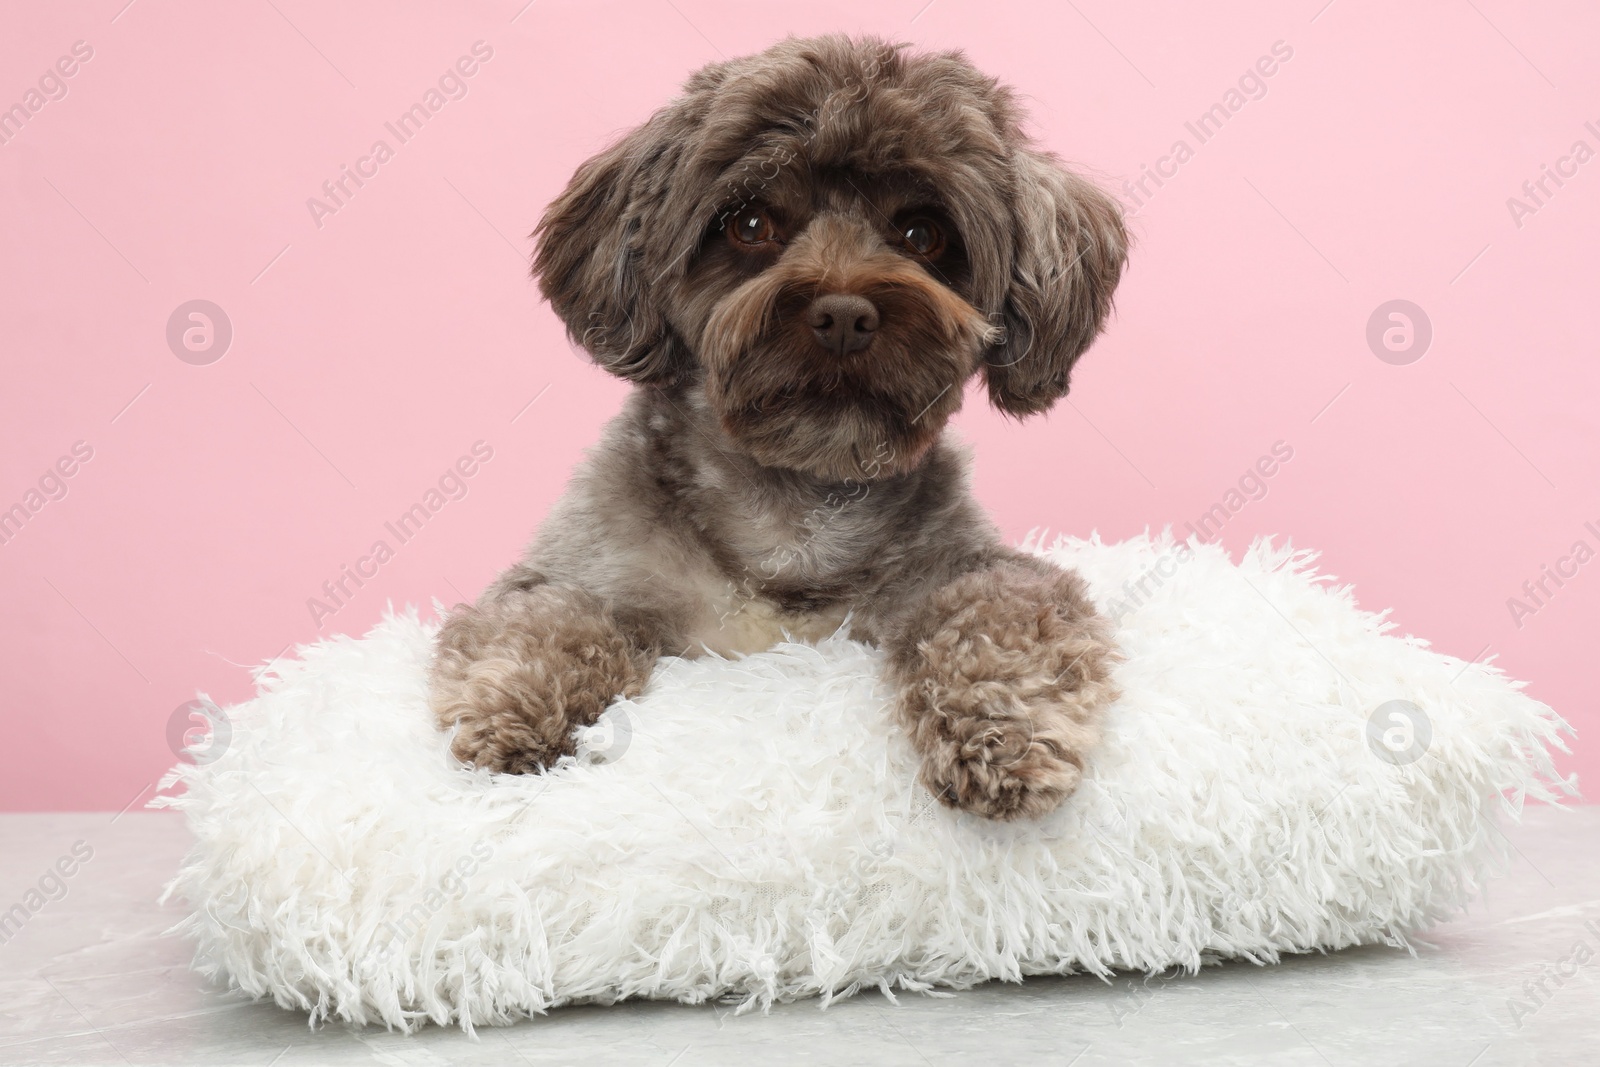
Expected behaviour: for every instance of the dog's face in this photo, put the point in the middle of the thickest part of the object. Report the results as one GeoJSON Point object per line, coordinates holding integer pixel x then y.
{"type": "Point", "coordinates": [829, 239]}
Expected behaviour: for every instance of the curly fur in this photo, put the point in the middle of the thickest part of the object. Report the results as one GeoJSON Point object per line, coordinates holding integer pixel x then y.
{"type": "Point", "coordinates": [1003, 674]}
{"type": "Point", "coordinates": [519, 676]}
{"type": "Point", "coordinates": [764, 480]}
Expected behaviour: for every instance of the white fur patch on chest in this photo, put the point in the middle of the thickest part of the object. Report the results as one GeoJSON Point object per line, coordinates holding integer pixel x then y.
{"type": "Point", "coordinates": [737, 622]}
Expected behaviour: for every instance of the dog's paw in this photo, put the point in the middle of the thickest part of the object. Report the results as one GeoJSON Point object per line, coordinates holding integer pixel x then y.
{"type": "Point", "coordinates": [1004, 676]}
{"type": "Point", "coordinates": [1001, 768]}
{"type": "Point", "coordinates": [514, 682]}
{"type": "Point", "coordinates": [502, 723]}
{"type": "Point", "coordinates": [500, 751]}
{"type": "Point", "coordinates": [1011, 747]}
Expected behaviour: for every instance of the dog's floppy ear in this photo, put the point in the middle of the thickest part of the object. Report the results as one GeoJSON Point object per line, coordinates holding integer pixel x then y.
{"type": "Point", "coordinates": [593, 260]}
{"type": "Point", "coordinates": [1069, 248]}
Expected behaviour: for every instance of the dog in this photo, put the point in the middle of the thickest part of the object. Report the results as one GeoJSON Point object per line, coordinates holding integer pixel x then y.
{"type": "Point", "coordinates": [799, 264]}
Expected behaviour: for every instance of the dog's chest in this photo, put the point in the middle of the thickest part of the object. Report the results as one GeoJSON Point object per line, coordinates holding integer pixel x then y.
{"type": "Point", "coordinates": [790, 577]}
{"type": "Point", "coordinates": [810, 547]}
{"type": "Point", "coordinates": [735, 623]}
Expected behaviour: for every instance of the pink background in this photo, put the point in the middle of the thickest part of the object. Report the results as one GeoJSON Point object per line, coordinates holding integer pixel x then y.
{"type": "Point", "coordinates": [368, 354]}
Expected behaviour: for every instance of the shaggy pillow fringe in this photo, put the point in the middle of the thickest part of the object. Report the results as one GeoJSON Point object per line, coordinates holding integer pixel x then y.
{"type": "Point", "coordinates": [751, 830]}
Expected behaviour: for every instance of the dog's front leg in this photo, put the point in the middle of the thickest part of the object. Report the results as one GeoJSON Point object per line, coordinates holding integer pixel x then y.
{"type": "Point", "coordinates": [1002, 673]}
{"type": "Point", "coordinates": [516, 674]}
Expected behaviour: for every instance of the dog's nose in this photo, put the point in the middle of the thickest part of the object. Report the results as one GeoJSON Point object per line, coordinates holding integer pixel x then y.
{"type": "Point", "coordinates": [842, 322]}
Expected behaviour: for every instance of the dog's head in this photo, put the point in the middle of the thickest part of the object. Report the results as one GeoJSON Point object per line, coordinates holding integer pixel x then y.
{"type": "Point", "coordinates": [828, 239]}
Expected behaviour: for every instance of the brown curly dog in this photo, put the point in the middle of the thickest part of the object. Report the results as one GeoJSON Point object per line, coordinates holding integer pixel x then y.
{"type": "Point", "coordinates": [799, 263]}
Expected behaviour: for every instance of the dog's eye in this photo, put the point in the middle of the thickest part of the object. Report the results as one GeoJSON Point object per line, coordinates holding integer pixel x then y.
{"type": "Point", "coordinates": [752, 227]}
{"type": "Point", "coordinates": [923, 237]}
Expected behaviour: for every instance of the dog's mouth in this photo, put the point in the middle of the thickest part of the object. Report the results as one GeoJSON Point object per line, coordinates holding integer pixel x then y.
{"type": "Point", "coordinates": [868, 412]}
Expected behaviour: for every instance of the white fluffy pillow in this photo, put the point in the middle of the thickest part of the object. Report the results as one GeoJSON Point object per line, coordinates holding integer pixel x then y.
{"type": "Point", "coordinates": [752, 828]}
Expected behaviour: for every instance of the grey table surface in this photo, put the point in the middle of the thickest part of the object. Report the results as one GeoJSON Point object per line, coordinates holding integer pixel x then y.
{"type": "Point", "coordinates": [92, 978]}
